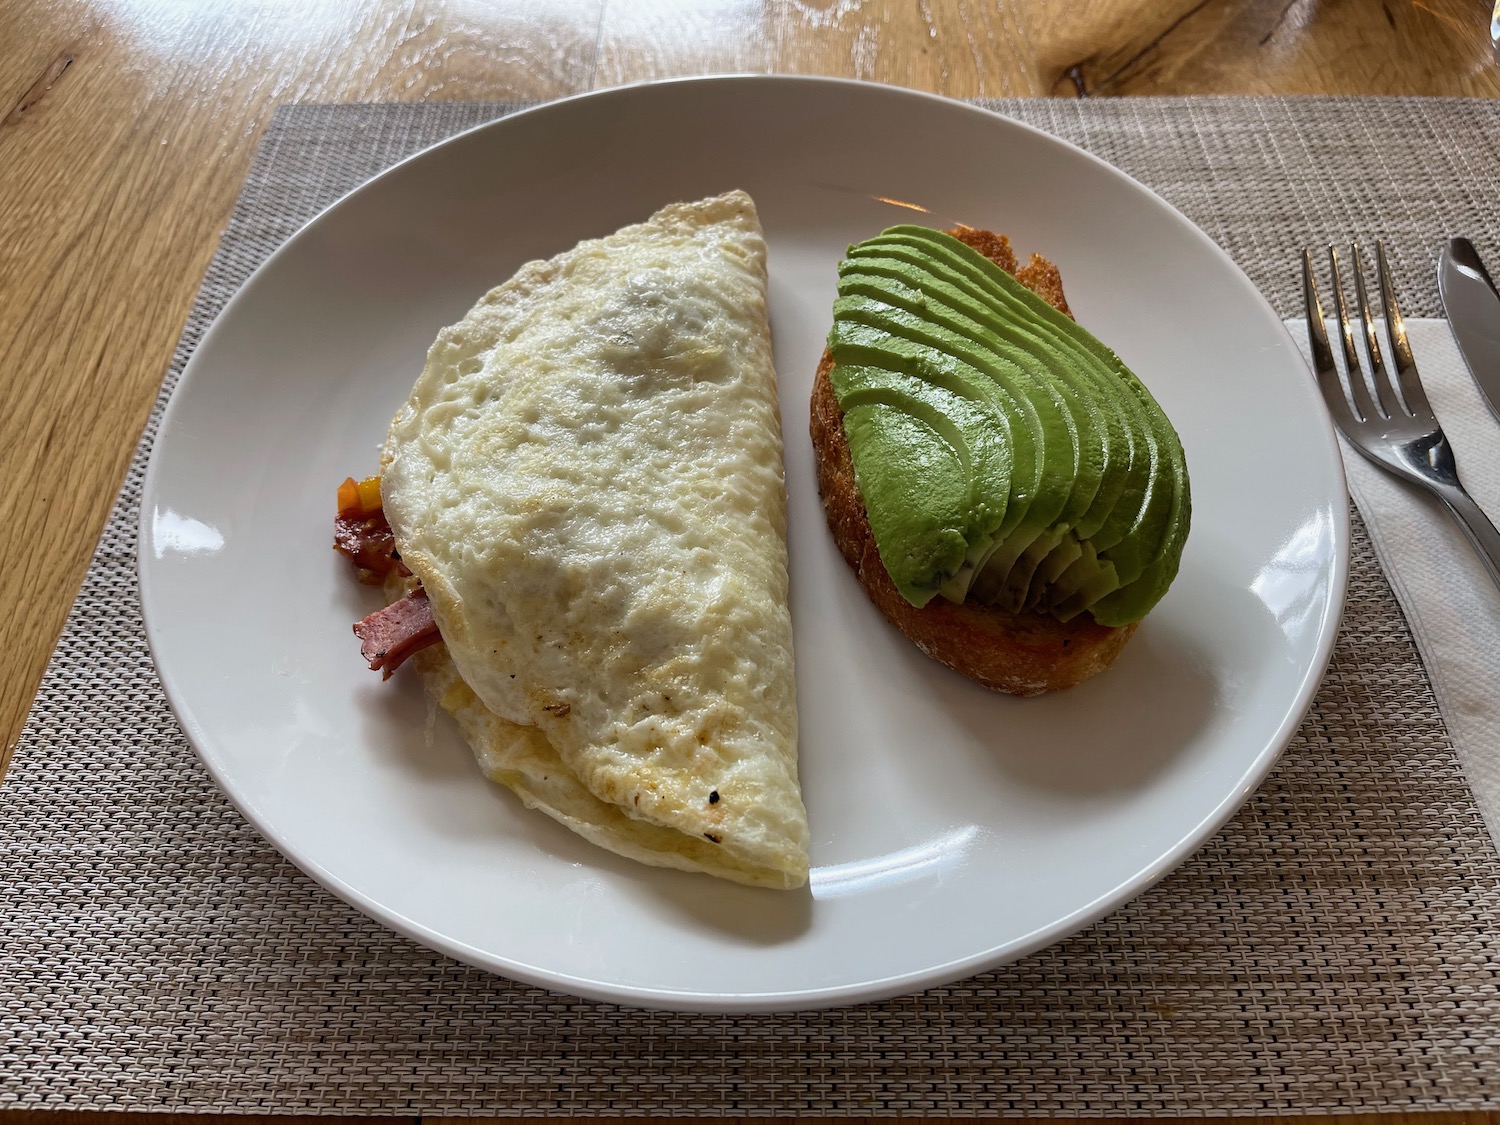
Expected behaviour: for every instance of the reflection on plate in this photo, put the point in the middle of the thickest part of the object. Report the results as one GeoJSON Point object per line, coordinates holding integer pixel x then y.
{"type": "Point", "coordinates": [953, 829]}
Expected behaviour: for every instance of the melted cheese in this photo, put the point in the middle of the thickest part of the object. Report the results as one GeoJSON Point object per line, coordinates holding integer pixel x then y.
{"type": "Point", "coordinates": [587, 479]}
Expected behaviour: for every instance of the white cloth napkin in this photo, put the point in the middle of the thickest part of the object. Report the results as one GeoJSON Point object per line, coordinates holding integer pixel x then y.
{"type": "Point", "coordinates": [1453, 607]}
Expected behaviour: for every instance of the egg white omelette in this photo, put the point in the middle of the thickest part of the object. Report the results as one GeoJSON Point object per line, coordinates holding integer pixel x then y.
{"type": "Point", "coordinates": [587, 481]}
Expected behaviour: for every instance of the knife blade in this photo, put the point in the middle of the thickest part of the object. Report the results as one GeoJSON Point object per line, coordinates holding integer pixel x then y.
{"type": "Point", "coordinates": [1472, 306]}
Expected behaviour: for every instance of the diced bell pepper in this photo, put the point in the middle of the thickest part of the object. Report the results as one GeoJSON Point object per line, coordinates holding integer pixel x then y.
{"type": "Point", "coordinates": [359, 500]}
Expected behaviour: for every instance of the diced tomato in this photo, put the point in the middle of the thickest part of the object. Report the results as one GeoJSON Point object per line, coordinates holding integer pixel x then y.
{"type": "Point", "coordinates": [348, 498]}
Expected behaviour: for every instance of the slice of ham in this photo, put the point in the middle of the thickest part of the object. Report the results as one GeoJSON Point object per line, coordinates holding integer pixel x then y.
{"type": "Point", "coordinates": [389, 636]}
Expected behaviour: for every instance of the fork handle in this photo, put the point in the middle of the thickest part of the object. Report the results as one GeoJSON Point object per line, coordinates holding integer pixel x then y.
{"type": "Point", "coordinates": [1476, 526]}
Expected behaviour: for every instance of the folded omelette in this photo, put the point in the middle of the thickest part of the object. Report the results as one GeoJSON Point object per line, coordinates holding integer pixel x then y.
{"type": "Point", "coordinates": [587, 482]}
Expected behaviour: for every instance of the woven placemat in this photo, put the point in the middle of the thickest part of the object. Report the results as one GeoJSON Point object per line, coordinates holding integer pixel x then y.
{"type": "Point", "coordinates": [1335, 947]}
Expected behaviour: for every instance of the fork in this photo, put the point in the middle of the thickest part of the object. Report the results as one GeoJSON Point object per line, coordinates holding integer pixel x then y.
{"type": "Point", "coordinates": [1397, 431]}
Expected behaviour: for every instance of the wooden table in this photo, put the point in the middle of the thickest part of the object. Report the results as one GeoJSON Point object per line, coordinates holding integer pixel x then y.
{"type": "Point", "coordinates": [126, 127]}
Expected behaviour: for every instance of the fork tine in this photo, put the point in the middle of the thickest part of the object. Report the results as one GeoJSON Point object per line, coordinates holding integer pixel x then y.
{"type": "Point", "coordinates": [1323, 366]}
{"type": "Point", "coordinates": [1389, 406]}
{"type": "Point", "coordinates": [1409, 444]}
{"type": "Point", "coordinates": [1406, 367]}
{"type": "Point", "coordinates": [1359, 390]}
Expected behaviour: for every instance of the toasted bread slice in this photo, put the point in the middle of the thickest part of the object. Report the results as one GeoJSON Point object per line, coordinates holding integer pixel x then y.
{"type": "Point", "coordinates": [1021, 653]}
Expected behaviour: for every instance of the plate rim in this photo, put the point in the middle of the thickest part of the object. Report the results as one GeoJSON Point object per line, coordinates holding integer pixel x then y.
{"type": "Point", "coordinates": [801, 999]}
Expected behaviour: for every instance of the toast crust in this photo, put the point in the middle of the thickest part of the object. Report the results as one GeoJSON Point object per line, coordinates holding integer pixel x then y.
{"type": "Point", "coordinates": [1020, 653]}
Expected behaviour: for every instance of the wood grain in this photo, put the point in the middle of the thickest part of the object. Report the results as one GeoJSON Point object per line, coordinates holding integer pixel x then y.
{"type": "Point", "coordinates": [963, 50]}
{"type": "Point", "coordinates": [126, 127]}
{"type": "Point", "coordinates": [116, 1117]}
{"type": "Point", "coordinates": [1269, 47]}
{"type": "Point", "coordinates": [1474, 1118]}
{"type": "Point", "coordinates": [91, 1117]}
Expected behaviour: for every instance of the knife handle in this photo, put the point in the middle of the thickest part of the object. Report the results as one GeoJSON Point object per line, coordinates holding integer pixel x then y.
{"type": "Point", "coordinates": [1476, 526]}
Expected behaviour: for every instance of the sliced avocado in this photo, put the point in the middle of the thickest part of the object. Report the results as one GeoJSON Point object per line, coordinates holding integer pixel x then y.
{"type": "Point", "coordinates": [948, 296]}
{"type": "Point", "coordinates": [1062, 475]}
{"type": "Point", "coordinates": [1011, 413]}
{"type": "Point", "coordinates": [1144, 558]}
{"type": "Point", "coordinates": [901, 324]}
{"type": "Point", "coordinates": [944, 460]}
{"type": "Point", "coordinates": [904, 458]}
{"type": "Point", "coordinates": [1010, 313]}
{"type": "Point", "coordinates": [930, 312]}
{"type": "Point", "coordinates": [1068, 552]}
{"type": "Point", "coordinates": [1003, 453]}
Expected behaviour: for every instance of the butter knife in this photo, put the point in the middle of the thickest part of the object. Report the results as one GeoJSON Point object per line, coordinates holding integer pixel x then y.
{"type": "Point", "coordinates": [1473, 309]}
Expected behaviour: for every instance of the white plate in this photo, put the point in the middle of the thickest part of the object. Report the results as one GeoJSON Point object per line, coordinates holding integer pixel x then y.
{"type": "Point", "coordinates": [953, 829]}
